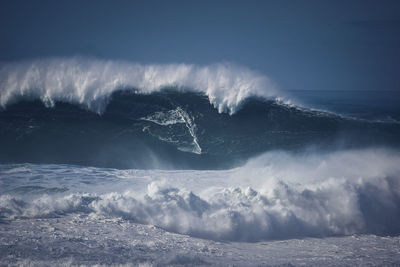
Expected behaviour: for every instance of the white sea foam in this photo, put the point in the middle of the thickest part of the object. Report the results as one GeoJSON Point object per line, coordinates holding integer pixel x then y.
{"type": "Point", "coordinates": [277, 195]}
{"type": "Point", "coordinates": [90, 82]}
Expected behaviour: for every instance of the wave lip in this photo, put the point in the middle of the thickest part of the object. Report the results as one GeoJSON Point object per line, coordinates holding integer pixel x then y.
{"type": "Point", "coordinates": [90, 82]}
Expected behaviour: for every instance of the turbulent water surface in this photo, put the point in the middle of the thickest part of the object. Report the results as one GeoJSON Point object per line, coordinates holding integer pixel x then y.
{"type": "Point", "coordinates": [107, 162]}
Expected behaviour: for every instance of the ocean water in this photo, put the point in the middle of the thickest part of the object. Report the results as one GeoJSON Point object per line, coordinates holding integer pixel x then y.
{"type": "Point", "coordinates": [114, 163]}
{"type": "Point", "coordinates": [380, 105]}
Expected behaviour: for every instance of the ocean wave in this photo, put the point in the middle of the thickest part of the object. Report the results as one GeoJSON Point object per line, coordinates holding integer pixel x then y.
{"type": "Point", "coordinates": [90, 82]}
{"type": "Point", "coordinates": [275, 196]}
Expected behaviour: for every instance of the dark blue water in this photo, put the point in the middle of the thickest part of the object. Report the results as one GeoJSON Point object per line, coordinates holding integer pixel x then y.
{"type": "Point", "coordinates": [373, 105]}
{"type": "Point", "coordinates": [173, 129]}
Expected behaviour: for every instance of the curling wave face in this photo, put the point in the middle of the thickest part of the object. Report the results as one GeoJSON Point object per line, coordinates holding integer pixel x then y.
{"type": "Point", "coordinates": [275, 196]}
{"type": "Point", "coordinates": [172, 129]}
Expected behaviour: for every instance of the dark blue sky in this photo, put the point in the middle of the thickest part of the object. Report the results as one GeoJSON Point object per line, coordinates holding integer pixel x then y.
{"type": "Point", "coordinates": [330, 45]}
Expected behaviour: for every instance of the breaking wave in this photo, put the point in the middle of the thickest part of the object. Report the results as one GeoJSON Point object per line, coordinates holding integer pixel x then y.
{"type": "Point", "coordinates": [90, 82]}
{"type": "Point", "coordinates": [173, 116]}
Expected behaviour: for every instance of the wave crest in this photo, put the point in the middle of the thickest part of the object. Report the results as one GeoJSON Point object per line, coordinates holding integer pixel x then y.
{"type": "Point", "coordinates": [90, 82]}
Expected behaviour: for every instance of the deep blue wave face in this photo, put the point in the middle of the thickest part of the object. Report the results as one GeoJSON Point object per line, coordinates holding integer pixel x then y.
{"type": "Point", "coordinates": [172, 129]}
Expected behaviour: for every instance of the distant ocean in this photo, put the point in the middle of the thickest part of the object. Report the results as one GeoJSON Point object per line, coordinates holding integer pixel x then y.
{"type": "Point", "coordinates": [105, 162]}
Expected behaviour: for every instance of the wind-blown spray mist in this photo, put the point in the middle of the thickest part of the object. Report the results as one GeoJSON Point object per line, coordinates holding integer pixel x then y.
{"type": "Point", "coordinates": [90, 82]}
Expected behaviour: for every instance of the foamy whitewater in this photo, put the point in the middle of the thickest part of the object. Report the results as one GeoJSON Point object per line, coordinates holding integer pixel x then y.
{"type": "Point", "coordinates": [90, 82]}
{"type": "Point", "coordinates": [118, 163]}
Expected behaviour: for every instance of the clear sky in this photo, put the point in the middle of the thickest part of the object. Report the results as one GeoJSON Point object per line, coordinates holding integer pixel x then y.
{"type": "Point", "coordinates": [329, 45]}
